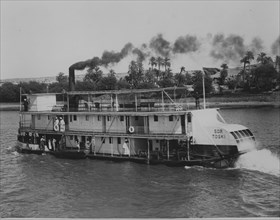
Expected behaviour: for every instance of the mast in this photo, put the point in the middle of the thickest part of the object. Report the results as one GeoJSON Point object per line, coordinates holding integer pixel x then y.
{"type": "Point", "coordinates": [203, 85]}
{"type": "Point", "coordinates": [20, 99]}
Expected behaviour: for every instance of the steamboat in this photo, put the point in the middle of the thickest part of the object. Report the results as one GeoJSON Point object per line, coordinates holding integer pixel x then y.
{"type": "Point", "coordinates": [145, 126]}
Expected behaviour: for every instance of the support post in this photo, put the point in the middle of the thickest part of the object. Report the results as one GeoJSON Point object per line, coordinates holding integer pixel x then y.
{"type": "Point", "coordinates": [148, 159]}
{"type": "Point", "coordinates": [188, 148]}
{"type": "Point", "coordinates": [20, 99]}
{"type": "Point", "coordinates": [111, 147]}
{"type": "Point", "coordinates": [174, 94]}
{"type": "Point", "coordinates": [162, 100]}
{"type": "Point", "coordinates": [129, 147]}
{"type": "Point", "coordinates": [117, 103]}
{"type": "Point", "coordinates": [167, 149]}
{"type": "Point", "coordinates": [135, 102]}
{"type": "Point", "coordinates": [88, 103]}
{"type": "Point", "coordinates": [68, 103]}
{"type": "Point", "coordinates": [203, 85]}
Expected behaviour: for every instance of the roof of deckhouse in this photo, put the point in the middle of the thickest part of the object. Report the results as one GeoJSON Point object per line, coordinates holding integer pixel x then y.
{"type": "Point", "coordinates": [125, 91]}
{"type": "Point", "coordinates": [111, 113]}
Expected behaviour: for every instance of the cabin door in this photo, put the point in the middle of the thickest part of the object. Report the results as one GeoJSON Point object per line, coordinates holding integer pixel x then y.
{"type": "Point", "coordinates": [183, 124]}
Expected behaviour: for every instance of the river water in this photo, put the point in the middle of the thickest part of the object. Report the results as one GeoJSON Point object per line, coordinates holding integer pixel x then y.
{"type": "Point", "coordinates": [44, 186]}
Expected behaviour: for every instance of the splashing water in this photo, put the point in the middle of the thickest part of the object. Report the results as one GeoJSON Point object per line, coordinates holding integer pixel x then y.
{"type": "Point", "coordinates": [261, 160]}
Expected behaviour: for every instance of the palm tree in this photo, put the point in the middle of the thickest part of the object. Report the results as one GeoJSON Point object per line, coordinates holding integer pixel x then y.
{"type": "Point", "coordinates": [246, 60]}
{"type": "Point", "coordinates": [224, 73]}
{"type": "Point", "coordinates": [166, 63]}
{"type": "Point", "coordinates": [182, 69]}
{"type": "Point", "coordinates": [261, 57]}
{"type": "Point", "coordinates": [159, 62]}
{"type": "Point", "coordinates": [153, 62]}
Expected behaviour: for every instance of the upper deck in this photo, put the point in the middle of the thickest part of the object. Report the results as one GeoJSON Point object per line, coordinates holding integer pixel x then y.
{"type": "Point", "coordinates": [112, 102]}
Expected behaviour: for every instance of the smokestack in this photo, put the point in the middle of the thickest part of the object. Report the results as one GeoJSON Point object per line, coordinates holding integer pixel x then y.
{"type": "Point", "coordinates": [71, 79]}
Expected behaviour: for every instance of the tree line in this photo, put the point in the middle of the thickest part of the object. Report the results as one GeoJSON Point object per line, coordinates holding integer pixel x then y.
{"type": "Point", "coordinates": [261, 77]}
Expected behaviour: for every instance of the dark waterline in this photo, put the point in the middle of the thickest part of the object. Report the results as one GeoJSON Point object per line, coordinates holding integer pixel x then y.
{"type": "Point", "coordinates": [44, 186]}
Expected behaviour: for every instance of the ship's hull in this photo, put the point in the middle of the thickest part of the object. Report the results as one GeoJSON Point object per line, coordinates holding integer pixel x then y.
{"type": "Point", "coordinates": [203, 156]}
{"type": "Point", "coordinates": [25, 148]}
{"type": "Point", "coordinates": [69, 154]}
{"type": "Point", "coordinates": [214, 162]}
{"type": "Point", "coordinates": [34, 149]}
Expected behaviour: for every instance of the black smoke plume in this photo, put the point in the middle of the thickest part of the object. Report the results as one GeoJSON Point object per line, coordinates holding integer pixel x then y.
{"type": "Point", "coordinates": [115, 57]}
{"type": "Point", "coordinates": [256, 45]}
{"type": "Point", "coordinates": [160, 45]}
{"type": "Point", "coordinates": [227, 48]}
{"type": "Point", "coordinates": [186, 44]}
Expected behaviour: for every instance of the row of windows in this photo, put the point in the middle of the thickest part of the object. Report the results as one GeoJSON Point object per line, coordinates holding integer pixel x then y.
{"type": "Point", "coordinates": [121, 118]}
{"type": "Point", "coordinates": [241, 134]}
{"type": "Point", "coordinates": [74, 118]}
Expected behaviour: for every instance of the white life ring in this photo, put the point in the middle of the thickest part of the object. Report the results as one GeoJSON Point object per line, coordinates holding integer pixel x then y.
{"type": "Point", "coordinates": [56, 127]}
{"type": "Point", "coordinates": [62, 127]}
{"type": "Point", "coordinates": [131, 129]}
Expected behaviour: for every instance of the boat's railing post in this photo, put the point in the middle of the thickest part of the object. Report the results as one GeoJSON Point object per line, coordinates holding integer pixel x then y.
{"type": "Point", "coordinates": [162, 100]}
{"type": "Point", "coordinates": [167, 149]}
{"type": "Point", "coordinates": [148, 158]}
{"type": "Point", "coordinates": [188, 148]}
{"type": "Point", "coordinates": [203, 87]}
{"type": "Point", "coordinates": [20, 99]}
{"type": "Point", "coordinates": [135, 102]}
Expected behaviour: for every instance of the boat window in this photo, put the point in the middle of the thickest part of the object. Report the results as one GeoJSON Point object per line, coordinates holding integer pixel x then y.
{"type": "Point", "coordinates": [98, 118]}
{"type": "Point", "coordinates": [108, 118]}
{"type": "Point", "coordinates": [75, 117]}
{"type": "Point", "coordinates": [71, 137]}
{"type": "Point", "coordinates": [234, 135]}
{"type": "Point", "coordinates": [87, 117]}
{"type": "Point", "coordinates": [251, 134]}
{"type": "Point", "coordinates": [189, 117]}
{"type": "Point", "coordinates": [49, 117]}
{"type": "Point", "coordinates": [136, 118]}
{"type": "Point", "coordinates": [119, 140]}
{"type": "Point", "coordinates": [237, 133]}
{"type": "Point", "coordinates": [242, 133]}
{"type": "Point", "coordinates": [170, 117]}
{"type": "Point", "coordinates": [155, 118]}
{"type": "Point", "coordinates": [122, 118]}
{"type": "Point", "coordinates": [71, 118]}
{"type": "Point", "coordinates": [246, 132]}
{"type": "Point", "coordinates": [110, 140]}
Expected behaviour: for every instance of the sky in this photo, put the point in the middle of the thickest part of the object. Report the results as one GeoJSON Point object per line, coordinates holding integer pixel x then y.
{"type": "Point", "coordinates": [43, 38]}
